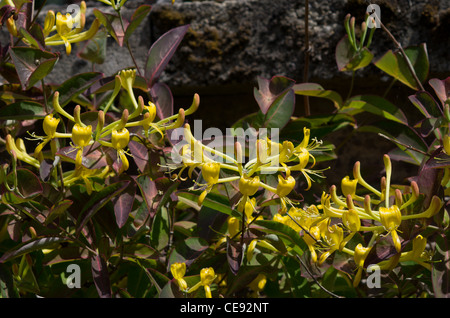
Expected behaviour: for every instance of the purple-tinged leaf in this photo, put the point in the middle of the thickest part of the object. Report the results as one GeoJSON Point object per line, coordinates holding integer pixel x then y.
{"type": "Point", "coordinates": [426, 104]}
{"type": "Point", "coordinates": [140, 154]}
{"type": "Point", "coordinates": [101, 276]}
{"type": "Point", "coordinates": [235, 255]}
{"type": "Point", "coordinates": [441, 88]}
{"type": "Point", "coordinates": [28, 186]}
{"type": "Point", "coordinates": [138, 15]}
{"type": "Point", "coordinates": [123, 204]}
{"type": "Point", "coordinates": [270, 90]}
{"type": "Point", "coordinates": [279, 113]}
{"type": "Point", "coordinates": [163, 99]}
{"type": "Point", "coordinates": [93, 158]}
{"type": "Point", "coordinates": [32, 64]}
{"type": "Point", "coordinates": [98, 200]}
{"type": "Point", "coordinates": [161, 52]}
{"type": "Point", "coordinates": [148, 190]}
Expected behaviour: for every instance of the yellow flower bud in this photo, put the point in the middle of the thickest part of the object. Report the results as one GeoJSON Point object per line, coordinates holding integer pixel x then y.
{"type": "Point", "coordinates": [285, 185]}
{"type": "Point", "coordinates": [49, 22]}
{"type": "Point", "coordinates": [248, 186]}
{"type": "Point", "coordinates": [81, 136]}
{"type": "Point", "coordinates": [348, 186]}
{"type": "Point", "coordinates": [120, 138]}
{"type": "Point", "coordinates": [210, 172]}
{"type": "Point", "coordinates": [50, 124]}
{"type": "Point", "coordinates": [360, 256]}
{"type": "Point", "coordinates": [149, 116]}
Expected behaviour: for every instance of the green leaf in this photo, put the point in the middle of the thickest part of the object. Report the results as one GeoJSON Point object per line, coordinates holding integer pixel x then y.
{"type": "Point", "coordinates": [57, 210]}
{"type": "Point", "coordinates": [348, 59]}
{"type": "Point", "coordinates": [282, 230]}
{"type": "Point", "coordinates": [159, 236]}
{"type": "Point", "coordinates": [32, 64]}
{"type": "Point", "coordinates": [316, 90]}
{"type": "Point", "coordinates": [279, 112]}
{"type": "Point", "coordinates": [376, 105]}
{"type": "Point", "coordinates": [406, 138]}
{"type": "Point", "coordinates": [22, 110]}
{"type": "Point", "coordinates": [188, 250]}
{"type": "Point", "coordinates": [32, 245]}
{"type": "Point", "coordinates": [94, 50]}
{"type": "Point", "coordinates": [395, 65]}
{"type": "Point", "coordinates": [440, 272]}
{"type": "Point", "coordinates": [76, 85]}
{"type": "Point", "coordinates": [112, 24]}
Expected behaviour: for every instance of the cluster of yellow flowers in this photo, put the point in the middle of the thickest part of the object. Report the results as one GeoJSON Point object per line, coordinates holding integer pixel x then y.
{"type": "Point", "coordinates": [328, 227]}
{"type": "Point", "coordinates": [86, 138]}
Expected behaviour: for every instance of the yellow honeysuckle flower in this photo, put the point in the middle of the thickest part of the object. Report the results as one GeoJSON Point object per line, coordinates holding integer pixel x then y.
{"type": "Point", "coordinates": [258, 283]}
{"type": "Point", "coordinates": [178, 271]}
{"type": "Point", "coordinates": [311, 238]}
{"type": "Point", "coordinates": [360, 256]}
{"type": "Point", "coordinates": [391, 218]}
{"type": "Point", "coordinates": [233, 226]}
{"type": "Point", "coordinates": [120, 138]}
{"type": "Point", "coordinates": [248, 185]}
{"type": "Point", "coordinates": [332, 238]}
{"type": "Point", "coordinates": [351, 220]}
{"type": "Point", "coordinates": [81, 136]}
{"type": "Point", "coordinates": [285, 185]}
{"type": "Point", "coordinates": [16, 150]}
{"type": "Point", "coordinates": [207, 277]}
{"type": "Point", "coordinates": [348, 186]}
{"type": "Point", "coordinates": [68, 29]}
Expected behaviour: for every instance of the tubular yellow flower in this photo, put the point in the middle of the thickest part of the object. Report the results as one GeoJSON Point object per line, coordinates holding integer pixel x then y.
{"type": "Point", "coordinates": [50, 124]}
{"type": "Point", "coordinates": [207, 277]}
{"type": "Point", "coordinates": [178, 271]}
{"type": "Point", "coordinates": [332, 237]}
{"type": "Point", "coordinates": [81, 136]}
{"type": "Point", "coordinates": [391, 218]}
{"type": "Point", "coordinates": [350, 219]}
{"type": "Point", "coordinates": [348, 186]}
{"type": "Point", "coordinates": [360, 256]}
{"type": "Point", "coordinates": [120, 138]}
{"type": "Point", "coordinates": [233, 226]}
{"type": "Point", "coordinates": [49, 22]}
{"type": "Point", "coordinates": [285, 185]}
{"type": "Point", "coordinates": [311, 239]}
{"type": "Point", "coordinates": [248, 186]}
{"type": "Point", "coordinates": [148, 119]}
{"type": "Point", "coordinates": [210, 172]}
{"type": "Point", "coordinates": [258, 283]}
